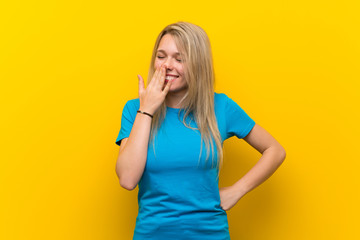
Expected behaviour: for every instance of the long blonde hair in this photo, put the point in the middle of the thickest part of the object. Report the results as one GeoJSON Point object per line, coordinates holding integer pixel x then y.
{"type": "Point", "coordinates": [194, 45]}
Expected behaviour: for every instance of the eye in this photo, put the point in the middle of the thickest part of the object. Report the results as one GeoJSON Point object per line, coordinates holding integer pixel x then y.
{"type": "Point", "coordinates": [179, 60]}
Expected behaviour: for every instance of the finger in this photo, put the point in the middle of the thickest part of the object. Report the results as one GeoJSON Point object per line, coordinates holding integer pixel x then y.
{"type": "Point", "coordinates": [162, 76]}
{"type": "Point", "coordinates": [167, 86]}
{"type": "Point", "coordinates": [158, 77]}
{"type": "Point", "coordinates": [141, 84]}
{"type": "Point", "coordinates": [153, 80]}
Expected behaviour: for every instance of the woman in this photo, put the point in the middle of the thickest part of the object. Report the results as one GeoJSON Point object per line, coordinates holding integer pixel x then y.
{"type": "Point", "coordinates": [166, 136]}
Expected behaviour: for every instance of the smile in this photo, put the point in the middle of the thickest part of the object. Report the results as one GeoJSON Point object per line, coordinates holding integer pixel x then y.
{"type": "Point", "coordinates": [170, 77]}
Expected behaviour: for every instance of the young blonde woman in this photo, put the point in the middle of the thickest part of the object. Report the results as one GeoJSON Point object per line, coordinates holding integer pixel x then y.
{"type": "Point", "coordinates": [171, 140]}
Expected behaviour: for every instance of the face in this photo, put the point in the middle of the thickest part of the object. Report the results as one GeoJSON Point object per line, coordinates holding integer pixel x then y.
{"type": "Point", "coordinates": [168, 55]}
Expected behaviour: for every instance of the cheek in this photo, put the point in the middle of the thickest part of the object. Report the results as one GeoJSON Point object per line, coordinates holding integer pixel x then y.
{"type": "Point", "coordinates": [181, 71]}
{"type": "Point", "coordinates": [157, 64]}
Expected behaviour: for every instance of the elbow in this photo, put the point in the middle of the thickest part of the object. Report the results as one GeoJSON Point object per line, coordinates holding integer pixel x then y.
{"type": "Point", "coordinates": [127, 179]}
{"type": "Point", "coordinates": [282, 154]}
{"type": "Point", "coordinates": [127, 185]}
{"type": "Point", "coordinates": [124, 181]}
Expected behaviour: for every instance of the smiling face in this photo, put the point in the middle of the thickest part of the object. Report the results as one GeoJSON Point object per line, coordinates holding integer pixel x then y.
{"type": "Point", "coordinates": [168, 54]}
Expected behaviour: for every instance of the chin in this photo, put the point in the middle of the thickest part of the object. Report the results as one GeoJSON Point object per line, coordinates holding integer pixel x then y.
{"type": "Point", "coordinates": [175, 89]}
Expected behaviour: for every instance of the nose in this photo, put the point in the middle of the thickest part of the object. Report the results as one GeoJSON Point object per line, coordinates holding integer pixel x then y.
{"type": "Point", "coordinates": [168, 64]}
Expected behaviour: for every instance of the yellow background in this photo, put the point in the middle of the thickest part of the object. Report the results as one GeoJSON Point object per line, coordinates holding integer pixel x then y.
{"type": "Point", "coordinates": [68, 67]}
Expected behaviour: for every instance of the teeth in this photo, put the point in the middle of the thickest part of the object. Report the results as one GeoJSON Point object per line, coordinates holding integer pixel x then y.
{"type": "Point", "coordinates": [170, 77]}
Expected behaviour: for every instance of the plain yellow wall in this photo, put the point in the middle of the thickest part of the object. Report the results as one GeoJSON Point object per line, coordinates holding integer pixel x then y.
{"type": "Point", "coordinates": [68, 67]}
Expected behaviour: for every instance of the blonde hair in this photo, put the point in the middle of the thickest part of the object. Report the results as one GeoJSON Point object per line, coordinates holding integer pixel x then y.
{"type": "Point", "coordinates": [195, 49]}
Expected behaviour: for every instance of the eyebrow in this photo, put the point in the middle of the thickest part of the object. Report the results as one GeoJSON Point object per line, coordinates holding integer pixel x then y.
{"type": "Point", "coordinates": [160, 50]}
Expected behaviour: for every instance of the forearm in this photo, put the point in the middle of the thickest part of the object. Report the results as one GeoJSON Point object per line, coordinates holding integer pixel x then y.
{"type": "Point", "coordinates": [132, 159]}
{"type": "Point", "coordinates": [270, 160]}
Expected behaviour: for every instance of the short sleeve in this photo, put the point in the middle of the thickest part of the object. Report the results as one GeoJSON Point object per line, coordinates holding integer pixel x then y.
{"type": "Point", "coordinates": [238, 122]}
{"type": "Point", "coordinates": [127, 121]}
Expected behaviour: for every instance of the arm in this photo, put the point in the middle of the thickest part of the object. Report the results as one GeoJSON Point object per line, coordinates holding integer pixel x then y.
{"type": "Point", "coordinates": [273, 154]}
{"type": "Point", "coordinates": [132, 157]}
{"type": "Point", "coordinates": [133, 153]}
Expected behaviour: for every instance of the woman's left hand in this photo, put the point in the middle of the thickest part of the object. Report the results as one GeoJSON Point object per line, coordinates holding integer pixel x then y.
{"type": "Point", "coordinates": [229, 197]}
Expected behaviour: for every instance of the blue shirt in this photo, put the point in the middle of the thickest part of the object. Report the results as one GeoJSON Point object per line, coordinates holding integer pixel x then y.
{"type": "Point", "coordinates": [178, 196]}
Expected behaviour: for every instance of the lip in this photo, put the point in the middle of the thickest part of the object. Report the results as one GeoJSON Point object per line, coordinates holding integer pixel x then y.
{"type": "Point", "coordinates": [171, 75]}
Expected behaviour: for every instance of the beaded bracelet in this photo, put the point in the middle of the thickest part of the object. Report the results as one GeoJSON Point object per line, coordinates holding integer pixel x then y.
{"type": "Point", "coordinates": [145, 113]}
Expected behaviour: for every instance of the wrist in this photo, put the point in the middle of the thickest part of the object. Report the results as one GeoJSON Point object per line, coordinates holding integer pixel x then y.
{"type": "Point", "coordinates": [239, 190]}
{"type": "Point", "coordinates": [145, 113]}
{"type": "Point", "coordinates": [146, 109]}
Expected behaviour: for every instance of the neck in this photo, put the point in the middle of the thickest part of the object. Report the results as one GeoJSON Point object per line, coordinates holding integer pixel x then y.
{"type": "Point", "coordinates": [173, 99]}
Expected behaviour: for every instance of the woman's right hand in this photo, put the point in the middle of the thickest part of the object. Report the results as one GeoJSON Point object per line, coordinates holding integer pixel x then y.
{"type": "Point", "coordinates": [155, 93]}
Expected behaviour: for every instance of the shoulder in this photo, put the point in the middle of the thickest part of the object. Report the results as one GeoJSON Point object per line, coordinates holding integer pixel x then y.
{"type": "Point", "coordinates": [133, 103]}
{"type": "Point", "coordinates": [130, 108]}
{"type": "Point", "coordinates": [225, 103]}
{"type": "Point", "coordinates": [220, 100]}
{"type": "Point", "coordinates": [220, 97]}
{"type": "Point", "coordinates": [226, 100]}
{"type": "Point", "coordinates": [220, 103]}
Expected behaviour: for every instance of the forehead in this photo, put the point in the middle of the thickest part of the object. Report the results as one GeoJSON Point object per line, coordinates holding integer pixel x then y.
{"type": "Point", "coordinates": [168, 45]}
